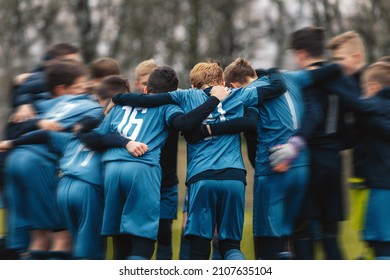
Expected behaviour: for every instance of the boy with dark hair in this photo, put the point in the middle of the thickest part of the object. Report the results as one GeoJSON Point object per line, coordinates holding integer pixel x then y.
{"type": "Point", "coordinates": [168, 162]}
{"type": "Point", "coordinates": [35, 207]}
{"type": "Point", "coordinates": [63, 51]}
{"type": "Point", "coordinates": [34, 82]}
{"type": "Point", "coordinates": [126, 203]}
{"type": "Point", "coordinates": [103, 67]}
{"type": "Point", "coordinates": [100, 68]}
{"type": "Point", "coordinates": [322, 132]}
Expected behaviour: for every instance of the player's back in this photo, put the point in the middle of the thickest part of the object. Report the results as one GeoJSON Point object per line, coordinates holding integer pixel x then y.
{"type": "Point", "coordinates": [69, 109]}
{"type": "Point", "coordinates": [280, 118]}
{"type": "Point", "coordinates": [146, 125]}
{"type": "Point", "coordinates": [77, 160]}
{"type": "Point", "coordinates": [216, 152]}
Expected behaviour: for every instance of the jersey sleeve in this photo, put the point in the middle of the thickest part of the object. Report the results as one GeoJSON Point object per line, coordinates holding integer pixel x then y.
{"type": "Point", "coordinates": [250, 97]}
{"type": "Point", "coordinates": [105, 126]}
{"type": "Point", "coordinates": [305, 78]}
{"type": "Point", "coordinates": [59, 141]}
{"type": "Point", "coordinates": [300, 78]}
{"type": "Point", "coordinates": [169, 112]}
{"type": "Point", "coordinates": [193, 118]}
{"type": "Point", "coordinates": [142, 100]}
{"type": "Point", "coordinates": [179, 96]}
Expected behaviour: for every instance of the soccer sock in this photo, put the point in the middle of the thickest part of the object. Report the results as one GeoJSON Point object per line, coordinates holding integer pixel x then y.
{"type": "Point", "coordinates": [164, 240]}
{"type": "Point", "coordinates": [302, 241]}
{"type": "Point", "coordinates": [381, 249]}
{"type": "Point", "coordinates": [270, 247]}
{"type": "Point", "coordinates": [135, 258]}
{"type": "Point", "coordinates": [216, 254]}
{"type": "Point", "coordinates": [234, 254]}
{"type": "Point", "coordinates": [142, 248]}
{"type": "Point", "coordinates": [230, 249]}
{"type": "Point", "coordinates": [35, 255]}
{"type": "Point", "coordinates": [122, 246]}
{"type": "Point", "coordinates": [164, 252]}
{"type": "Point", "coordinates": [330, 244]}
{"type": "Point", "coordinates": [199, 248]}
{"type": "Point", "coordinates": [59, 255]}
{"type": "Point", "coordinates": [286, 255]}
{"type": "Point", "coordinates": [256, 248]}
{"type": "Point", "coordinates": [7, 254]}
{"type": "Point", "coordinates": [184, 248]}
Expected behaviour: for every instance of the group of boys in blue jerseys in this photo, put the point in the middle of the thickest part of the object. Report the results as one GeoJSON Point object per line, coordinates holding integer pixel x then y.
{"type": "Point", "coordinates": [73, 177]}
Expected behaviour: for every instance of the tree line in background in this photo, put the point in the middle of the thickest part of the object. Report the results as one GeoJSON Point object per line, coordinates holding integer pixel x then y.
{"type": "Point", "coordinates": [177, 32]}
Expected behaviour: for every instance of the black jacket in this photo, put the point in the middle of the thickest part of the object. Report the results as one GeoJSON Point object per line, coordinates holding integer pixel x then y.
{"type": "Point", "coordinates": [374, 119]}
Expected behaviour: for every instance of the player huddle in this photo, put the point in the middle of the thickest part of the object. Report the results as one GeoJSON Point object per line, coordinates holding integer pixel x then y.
{"type": "Point", "coordinates": [84, 160]}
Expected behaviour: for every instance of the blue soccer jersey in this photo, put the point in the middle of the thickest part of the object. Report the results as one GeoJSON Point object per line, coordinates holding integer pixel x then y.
{"type": "Point", "coordinates": [69, 109]}
{"type": "Point", "coordinates": [146, 125]}
{"type": "Point", "coordinates": [216, 152]}
{"type": "Point", "coordinates": [42, 167]}
{"type": "Point", "coordinates": [280, 119]}
{"type": "Point", "coordinates": [77, 160]}
{"type": "Point", "coordinates": [80, 194]}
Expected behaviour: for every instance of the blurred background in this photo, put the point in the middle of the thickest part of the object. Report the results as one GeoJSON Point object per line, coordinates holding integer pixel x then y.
{"type": "Point", "coordinates": [178, 33]}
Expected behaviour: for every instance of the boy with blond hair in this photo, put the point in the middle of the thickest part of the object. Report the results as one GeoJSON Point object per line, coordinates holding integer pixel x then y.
{"type": "Point", "coordinates": [348, 49]}
{"type": "Point", "coordinates": [374, 115]}
{"type": "Point", "coordinates": [142, 72]}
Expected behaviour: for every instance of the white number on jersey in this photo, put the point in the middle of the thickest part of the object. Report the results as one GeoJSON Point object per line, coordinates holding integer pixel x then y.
{"type": "Point", "coordinates": [60, 110]}
{"type": "Point", "coordinates": [211, 119]}
{"type": "Point", "coordinates": [80, 149]}
{"type": "Point", "coordinates": [129, 119]}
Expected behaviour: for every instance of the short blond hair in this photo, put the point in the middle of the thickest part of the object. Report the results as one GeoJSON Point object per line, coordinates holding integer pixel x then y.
{"type": "Point", "coordinates": [350, 39]}
{"type": "Point", "coordinates": [378, 72]}
{"type": "Point", "coordinates": [206, 74]}
{"type": "Point", "coordinates": [145, 68]}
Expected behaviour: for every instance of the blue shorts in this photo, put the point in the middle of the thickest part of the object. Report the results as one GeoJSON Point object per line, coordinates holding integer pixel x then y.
{"type": "Point", "coordinates": [216, 203]}
{"type": "Point", "coordinates": [132, 199]}
{"type": "Point", "coordinates": [81, 206]}
{"type": "Point", "coordinates": [42, 196]}
{"type": "Point", "coordinates": [277, 200]}
{"type": "Point", "coordinates": [168, 203]}
{"type": "Point", "coordinates": [31, 185]}
{"type": "Point", "coordinates": [17, 208]}
{"type": "Point", "coordinates": [377, 220]}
